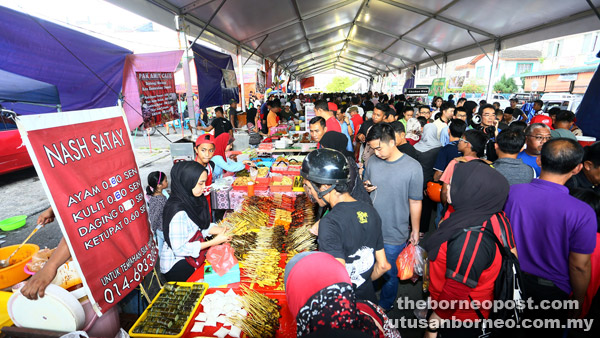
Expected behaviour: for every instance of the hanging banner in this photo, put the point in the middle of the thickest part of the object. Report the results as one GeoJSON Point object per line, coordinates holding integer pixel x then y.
{"type": "Point", "coordinates": [230, 78]}
{"type": "Point", "coordinates": [438, 87]}
{"type": "Point", "coordinates": [456, 81]}
{"type": "Point", "coordinates": [307, 82]}
{"type": "Point", "coordinates": [269, 73]}
{"type": "Point", "coordinates": [87, 167]}
{"type": "Point", "coordinates": [158, 97]}
{"type": "Point", "coordinates": [260, 82]}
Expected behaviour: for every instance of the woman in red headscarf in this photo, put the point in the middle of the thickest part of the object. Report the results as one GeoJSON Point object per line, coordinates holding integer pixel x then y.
{"type": "Point", "coordinates": [220, 162]}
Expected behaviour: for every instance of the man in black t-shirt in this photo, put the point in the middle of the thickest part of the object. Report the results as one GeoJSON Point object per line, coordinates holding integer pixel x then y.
{"type": "Point", "coordinates": [401, 142]}
{"type": "Point", "coordinates": [219, 124]}
{"type": "Point", "coordinates": [351, 231]}
{"type": "Point", "coordinates": [232, 112]}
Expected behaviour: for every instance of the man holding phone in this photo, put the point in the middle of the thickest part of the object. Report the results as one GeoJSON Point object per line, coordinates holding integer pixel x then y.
{"type": "Point", "coordinates": [395, 182]}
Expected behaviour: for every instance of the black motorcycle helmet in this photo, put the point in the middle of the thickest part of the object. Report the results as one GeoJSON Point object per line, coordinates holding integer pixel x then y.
{"type": "Point", "coordinates": [326, 166]}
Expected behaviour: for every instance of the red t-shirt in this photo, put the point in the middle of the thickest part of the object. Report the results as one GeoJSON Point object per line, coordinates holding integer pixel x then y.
{"type": "Point", "coordinates": [357, 120]}
{"type": "Point", "coordinates": [466, 260]}
{"type": "Point", "coordinates": [333, 125]}
{"type": "Point", "coordinates": [594, 280]}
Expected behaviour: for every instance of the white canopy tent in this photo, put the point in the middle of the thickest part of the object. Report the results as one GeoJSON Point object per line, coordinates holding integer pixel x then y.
{"type": "Point", "coordinates": [368, 38]}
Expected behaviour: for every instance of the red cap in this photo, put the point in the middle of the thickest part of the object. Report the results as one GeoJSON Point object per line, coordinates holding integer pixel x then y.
{"type": "Point", "coordinates": [547, 120]}
{"type": "Point", "coordinates": [205, 138]}
{"type": "Point", "coordinates": [332, 106]}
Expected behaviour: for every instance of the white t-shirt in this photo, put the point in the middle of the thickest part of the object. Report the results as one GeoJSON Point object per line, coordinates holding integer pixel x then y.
{"type": "Point", "coordinates": [298, 104]}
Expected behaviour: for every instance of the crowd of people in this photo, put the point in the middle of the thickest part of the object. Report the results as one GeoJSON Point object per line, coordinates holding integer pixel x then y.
{"type": "Point", "coordinates": [467, 164]}
{"type": "Point", "coordinates": [387, 174]}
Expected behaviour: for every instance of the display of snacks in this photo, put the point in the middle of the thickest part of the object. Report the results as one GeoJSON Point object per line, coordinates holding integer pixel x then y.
{"type": "Point", "coordinates": [263, 315]}
{"type": "Point", "coordinates": [263, 172]}
{"type": "Point", "coordinates": [300, 239]}
{"type": "Point", "coordinates": [261, 264]}
{"type": "Point", "coordinates": [281, 184]}
{"type": "Point", "coordinates": [250, 218]}
{"type": "Point", "coordinates": [242, 181]}
{"type": "Point", "coordinates": [243, 173]}
{"type": "Point", "coordinates": [284, 180]}
{"type": "Point", "coordinates": [243, 243]}
{"type": "Point", "coordinates": [171, 310]}
{"type": "Point", "coordinates": [262, 183]}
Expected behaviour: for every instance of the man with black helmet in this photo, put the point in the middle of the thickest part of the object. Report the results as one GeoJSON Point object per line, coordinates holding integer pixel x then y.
{"type": "Point", "coordinates": [351, 231]}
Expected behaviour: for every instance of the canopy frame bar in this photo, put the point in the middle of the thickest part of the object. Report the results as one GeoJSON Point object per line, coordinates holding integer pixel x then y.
{"type": "Point", "coordinates": [255, 49]}
{"type": "Point", "coordinates": [295, 21]}
{"type": "Point", "coordinates": [209, 21]}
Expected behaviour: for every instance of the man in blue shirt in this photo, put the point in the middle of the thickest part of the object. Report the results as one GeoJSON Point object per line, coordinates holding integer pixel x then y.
{"type": "Point", "coordinates": [347, 128]}
{"type": "Point", "coordinates": [450, 151]}
{"type": "Point", "coordinates": [537, 134]}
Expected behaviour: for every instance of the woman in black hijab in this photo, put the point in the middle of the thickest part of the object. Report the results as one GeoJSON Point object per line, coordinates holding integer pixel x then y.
{"type": "Point", "coordinates": [185, 219]}
{"type": "Point", "coordinates": [338, 141]}
{"type": "Point", "coordinates": [464, 265]}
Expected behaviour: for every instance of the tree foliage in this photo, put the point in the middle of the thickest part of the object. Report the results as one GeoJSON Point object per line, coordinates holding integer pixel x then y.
{"type": "Point", "coordinates": [506, 85]}
{"type": "Point", "coordinates": [467, 88]}
{"type": "Point", "coordinates": [340, 83]}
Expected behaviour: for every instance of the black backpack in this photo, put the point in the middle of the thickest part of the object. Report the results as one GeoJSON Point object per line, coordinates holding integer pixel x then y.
{"type": "Point", "coordinates": [508, 287]}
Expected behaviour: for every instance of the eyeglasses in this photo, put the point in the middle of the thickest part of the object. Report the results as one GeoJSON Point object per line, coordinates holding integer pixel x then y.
{"type": "Point", "coordinates": [463, 140]}
{"type": "Point", "coordinates": [540, 138]}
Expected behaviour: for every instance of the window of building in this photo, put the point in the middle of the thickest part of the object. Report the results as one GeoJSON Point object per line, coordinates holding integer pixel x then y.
{"type": "Point", "coordinates": [468, 73]}
{"type": "Point", "coordinates": [433, 70]}
{"type": "Point", "coordinates": [590, 41]}
{"type": "Point", "coordinates": [423, 72]}
{"type": "Point", "coordinates": [554, 48]}
{"type": "Point", "coordinates": [480, 72]}
{"type": "Point", "coordinates": [524, 68]}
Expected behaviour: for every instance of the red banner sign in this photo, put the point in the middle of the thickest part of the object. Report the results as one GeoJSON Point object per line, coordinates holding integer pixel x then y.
{"type": "Point", "coordinates": [86, 162]}
{"type": "Point", "coordinates": [307, 82]}
{"type": "Point", "coordinates": [158, 97]}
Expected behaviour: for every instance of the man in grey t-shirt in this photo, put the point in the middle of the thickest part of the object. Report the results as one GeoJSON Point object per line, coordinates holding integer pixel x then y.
{"type": "Point", "coordinates": [395, 182]}
{"type": "Point", "coordinates": [508, 145]}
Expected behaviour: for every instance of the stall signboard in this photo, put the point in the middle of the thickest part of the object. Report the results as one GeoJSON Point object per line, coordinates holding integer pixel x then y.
{"type": "Point", "coordinates": [158, 97]}
{"type": "Point", "coordinates": [438, 87]}
{"type": "Point", "coordinates": [416, 91]}
{"type": "Point", "coordinates": [87, 167]}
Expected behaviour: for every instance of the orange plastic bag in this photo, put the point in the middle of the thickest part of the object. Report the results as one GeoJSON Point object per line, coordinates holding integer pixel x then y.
{"type": "Point", "coordinates": [406, 262]}
{"type": "Point", "coordinates": [221, 258]}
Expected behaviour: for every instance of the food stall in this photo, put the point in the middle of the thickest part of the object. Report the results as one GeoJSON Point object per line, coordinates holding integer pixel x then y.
{"type": "Point", "coordinates": [238, 292]}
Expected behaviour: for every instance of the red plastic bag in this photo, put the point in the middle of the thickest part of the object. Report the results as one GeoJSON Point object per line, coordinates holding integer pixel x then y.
{"type": "Point", "coordinates": [221, 258]}
{"type": "Point", "coordinates": [406, 262]}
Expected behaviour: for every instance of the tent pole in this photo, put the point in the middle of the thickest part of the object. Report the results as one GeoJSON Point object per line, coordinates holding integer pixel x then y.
{"type": "Point", "coordinates": [593, 8]}
{"type": "Point", "coordinates": [490, 88]}
{"type": "Point", "coordinates": [187, 56]}
{"type": "Point", "coordinates": [241, 68]}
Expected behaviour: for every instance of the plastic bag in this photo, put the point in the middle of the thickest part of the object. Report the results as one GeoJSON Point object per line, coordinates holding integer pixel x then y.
{"type": "Point", "coordinates": [406, 262]}
{"type": "Point", "coordinates": [221, 258]}
{"type": "Point", "coordinates": [420, 260]}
